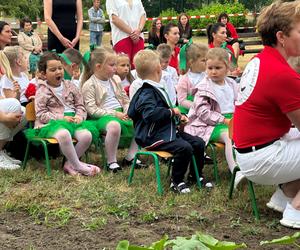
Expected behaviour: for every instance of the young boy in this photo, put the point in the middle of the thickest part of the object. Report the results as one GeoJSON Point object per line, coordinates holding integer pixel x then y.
{"type": "Point", "coordinates": [71, 61]}
{"type": "Point", "coordinates": [154, 122]}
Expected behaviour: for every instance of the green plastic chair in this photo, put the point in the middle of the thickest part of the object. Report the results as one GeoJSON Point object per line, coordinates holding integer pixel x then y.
{"type": "Point", "coordinates": [250, 190]}
{"type": "Point", "coordinates": [213, 148]}
{"type": "Point", "coordinates": [155, 155]}
{"type": "Point", "coordinates": [250, 183]}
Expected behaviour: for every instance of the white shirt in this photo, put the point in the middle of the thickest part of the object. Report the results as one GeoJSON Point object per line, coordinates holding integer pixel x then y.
{"type": "Point", "coordinates": [135, 86]}
{"type": "Point", "coordinates": [131, 16]}
{"type": "Point", "coordinates": [195, 78]}
{"type": "Point", "coordinates": [8, 84]}
{"type": "Point", "coordinates": [111, 102]}
{"type": "Point", "coordinates": [225, 97]}
{"type": "Point", "coordinates": [59, 93]}
{"type": "Point", "coordinates": [125, 83]}
{"type": "Point", "coordinates": [168, 81]}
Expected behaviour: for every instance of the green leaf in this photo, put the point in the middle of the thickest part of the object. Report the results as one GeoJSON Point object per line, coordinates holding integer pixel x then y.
{"type": "Point", "coordinates": [207, 239]}
{"type": "Point", "coordinates": [159, 245]}
{"type": "Point", "coordinates": [283, 240]}
{"type": "Point", "coordinates": [123, 245]}
{"type": "Point", "coordinates": [182, 243]}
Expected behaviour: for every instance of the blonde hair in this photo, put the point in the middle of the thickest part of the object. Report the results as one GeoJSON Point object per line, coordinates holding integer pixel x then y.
{"type": "Point", "coordinates": [122, 56]}
{"type": "Point", "coordinates": [194, 52]}
{"type": "Point", "coordinates": [98, 55]}
{"type": "Point", "coordinates": [8, 57]}
{"type": "Point", "coordinates": [164, 50]}
{"type": "Point", "coordinates": [145, 62]}
{"type": "Point", "coordinates": [218, 54]}
{"type": "Point", "coordinates": [279, 16]}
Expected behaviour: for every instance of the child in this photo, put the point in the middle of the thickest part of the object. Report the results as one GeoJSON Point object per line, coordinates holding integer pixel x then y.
{"type": "Point", "coordinates": [123, 71]}
{"type": "Point", "coordinates": [12, 120]}
{"type": "Point", "coordinates": [154, 122]}
{"type": "Point", "coordinates": [60, 114]}
{"type": "Point", "coordinates": [194, 66]}
{"type": "Point", "coordinates": [169, 75]}
{"type": "Point", "coordinates": [71, 62]}
{"type": "Point", "coordinates": [213, 105]}
{"type": "Point", "coordinates": [106, 101]}
{"type": "Point", "coordinates": [14, 82]}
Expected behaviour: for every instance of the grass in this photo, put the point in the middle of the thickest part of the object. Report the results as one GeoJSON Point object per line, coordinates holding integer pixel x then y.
{"type": "Point", "coordinates": [107, 202]}
{"type": "Point", "coordinates": [95, 213]}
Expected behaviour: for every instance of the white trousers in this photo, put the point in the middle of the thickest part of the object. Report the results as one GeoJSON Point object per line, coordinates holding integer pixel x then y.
{"type": "Point", "coordinates": [275, 164]}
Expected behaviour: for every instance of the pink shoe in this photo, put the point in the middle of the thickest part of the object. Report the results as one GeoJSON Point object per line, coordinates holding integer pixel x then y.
{"type": "Point", "coordinates": [68, 169]}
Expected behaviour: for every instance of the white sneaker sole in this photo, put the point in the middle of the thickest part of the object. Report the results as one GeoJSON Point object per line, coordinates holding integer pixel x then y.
{"type": "Point", "coordinates": [275, 207]}
{"type": "Point", "coordinates": [289, 223]}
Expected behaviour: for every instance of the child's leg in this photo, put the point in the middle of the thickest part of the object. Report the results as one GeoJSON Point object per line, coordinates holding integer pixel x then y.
{"type": "Point", "coordinates": [84, 139]}
{"type": "Point", "coordinates": [224, 137]}
{"type": "Point", "coordinates": [112, 138]}
{"type": "Point", "coordinates": [132, 150]}
{"type": "Point", "coordinates": [182, 153]}
{"type": "Point", "coordinates": [64, 139]}
{"type": "Point", "coordinates": [198, 150]}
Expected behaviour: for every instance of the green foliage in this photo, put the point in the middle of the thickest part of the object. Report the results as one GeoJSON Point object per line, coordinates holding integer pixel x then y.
{"type": "Point", "coordinates": [286, 240]}
{"type": "Point", "coordinates": [197, 241]}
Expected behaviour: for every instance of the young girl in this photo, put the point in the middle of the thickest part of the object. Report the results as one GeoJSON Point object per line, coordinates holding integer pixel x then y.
{"type": "Point", "coordinates": [123, 71]}
{"type": "Point", "coordinates": [14, 82]}
{"type": "Point", "coordinates": [106, 101]}
{"type": "Point", "coordinates": [195, 58]}
{"type": "Point", "coordinates": [171, 34]}
{"type": "Point", "coordinates": [60, 114]}
{"type": "Point", "coordinates": [185, 30]}
{"type": "Point", "coordinates": [214, 105]}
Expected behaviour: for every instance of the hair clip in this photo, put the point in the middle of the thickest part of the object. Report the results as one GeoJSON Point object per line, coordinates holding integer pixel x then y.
{"type": "Point", "coordinates": [65, 58]}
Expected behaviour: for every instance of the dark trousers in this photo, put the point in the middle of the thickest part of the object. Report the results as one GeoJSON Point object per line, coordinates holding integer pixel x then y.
{"type": "Point", "coordinates": [182, 148]}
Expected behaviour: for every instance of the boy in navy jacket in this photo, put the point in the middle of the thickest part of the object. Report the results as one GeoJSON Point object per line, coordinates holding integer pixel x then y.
{"type": "Point", "coordinates": [155, 125]}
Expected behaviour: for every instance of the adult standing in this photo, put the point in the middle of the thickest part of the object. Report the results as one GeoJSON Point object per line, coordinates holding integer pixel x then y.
{"type": "Point", "coordinates": [268, 104]}
{"type": "Point", "coordinates": [97, 19]}
{"type": "Point", "coordinates": [127, 20]}
{"type": "Point", "coordinates": [64, 19]}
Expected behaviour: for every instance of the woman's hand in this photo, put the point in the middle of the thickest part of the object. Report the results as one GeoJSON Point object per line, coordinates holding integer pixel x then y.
{"type": "Point", "coordinates": [66, 42]}
{"type": "Point", "coordinates": [74, 41]}
{"type": "Point", "coordinates": [135, 35]}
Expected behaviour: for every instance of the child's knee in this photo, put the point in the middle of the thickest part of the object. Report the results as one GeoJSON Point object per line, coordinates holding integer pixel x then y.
{"type": "Point", "coordinates": [113, 128]}
{"type": "Point", "coordinates": [63, 135]}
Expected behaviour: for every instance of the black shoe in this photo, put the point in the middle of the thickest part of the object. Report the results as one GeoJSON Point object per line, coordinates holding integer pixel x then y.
{"type": "Point", "coordinates": [138, 165]}
{"type": "Point", "coordinates": [180, 188]}
{"type": "Point", "coordinates": [113, 170]}
{"type": "Point", "coordinates": [191, 180]}
{"type": "Point", "coordinates": [208, 160]}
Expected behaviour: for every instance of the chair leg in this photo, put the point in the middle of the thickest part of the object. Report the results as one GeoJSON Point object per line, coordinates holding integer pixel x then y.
{"type": "Point", "coordinates": [48, 167]}
{"type": "Point", "coordinates": [26, 155]}
{"type": "Point", "coordinates": [253, 200]}
{"type": "Point", "coordinates": [157, 172]}
{"type": "Point", "coordinates": [196, 172]}
{"type": "Point", "coordinates": [214, 157]}
{"type": "Point", "coordinates": [132, 169]}
{"type": "Point", "coordinates": [235, 170]}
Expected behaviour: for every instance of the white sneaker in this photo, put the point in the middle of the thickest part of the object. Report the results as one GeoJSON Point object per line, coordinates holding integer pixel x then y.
{"type": "Point", "coordinates": [11, 159]}
{"type": "Point", "coordinates": [291, 217]}
{"type": "Point", "coordinates": [238, 177]}
{"type": "Point", "coordinates": [6, 164]}
{"type": "Point", "coordinates": [278, 201]}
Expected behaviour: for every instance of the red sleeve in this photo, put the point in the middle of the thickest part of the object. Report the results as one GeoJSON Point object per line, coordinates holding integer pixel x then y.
{"type": "Point", "coordinates": [232, 30]}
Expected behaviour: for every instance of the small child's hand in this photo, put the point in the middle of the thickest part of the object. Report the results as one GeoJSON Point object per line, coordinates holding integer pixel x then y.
{"type": "Point", "coordinates": [176, 111]}
{"type": "Point", "coordinates": [121, 115]}
{"type": "Point", "coordinates": [69, 118]}
{"type": "Point", "coordinates": [17, 87]}
{"type": "Point", "coordinates": [77, 119]}
{"type": "Point", "coordinates": [184, 119]}
{"type": "Point", "coordinates": [226, 121]}
{"type": "Point", "coordinates": [76, 73]}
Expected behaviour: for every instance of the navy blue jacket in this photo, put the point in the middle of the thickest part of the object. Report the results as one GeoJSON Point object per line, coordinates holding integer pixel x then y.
{"type": "Point", "coordinates": [152, 117]}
